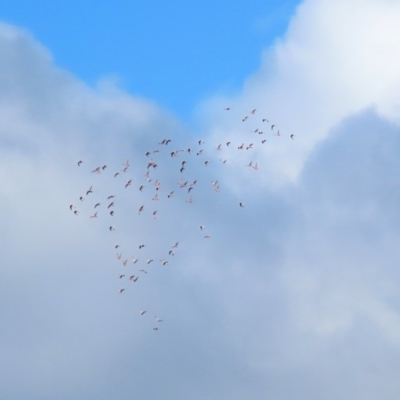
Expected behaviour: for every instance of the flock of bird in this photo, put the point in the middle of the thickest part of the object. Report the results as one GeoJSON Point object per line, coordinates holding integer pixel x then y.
{"type": "Point", "coordinates": [108, 204]}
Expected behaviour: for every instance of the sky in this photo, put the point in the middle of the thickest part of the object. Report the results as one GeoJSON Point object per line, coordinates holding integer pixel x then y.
{"type": "Point", "coordinates": [294, 294]}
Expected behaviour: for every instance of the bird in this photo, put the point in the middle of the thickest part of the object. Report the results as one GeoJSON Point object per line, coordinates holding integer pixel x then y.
{"type": "Point", "coordinates": [111, 228]}
{"type": "Point", "coordinates": [135, 260]}
{"type": "Point", "coordinates": [149, 261]}
{"type": "Point", "coordinates": [121, 290]}
{"type": "Point", "coordinates": [175, 245]}
{"type": "Point", "coordinates": [90, 190]}
{"type": "Point", "coordinates": [94, 215]}
{"type": "Point", "coordinates": [202, 227]}
{"type": "Point", "coordinates": [128, 183]}
{"type": "Point", "coordinates": [79, 163]}
{"type": "Point", "coordinates": [241, 204]}
{"type": "Point", "coordinates": [96, 205]}
{"type": "Point", "coordinates": [110, 205]}
{"type": "Point", "coordinates": [142, 312]}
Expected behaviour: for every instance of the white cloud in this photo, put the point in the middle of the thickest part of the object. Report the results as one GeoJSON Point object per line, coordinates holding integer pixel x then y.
{"type": "Point", "coordinates": [294, 295]}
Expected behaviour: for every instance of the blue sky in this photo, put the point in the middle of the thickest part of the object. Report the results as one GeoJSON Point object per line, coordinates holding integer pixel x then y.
{"type": "Point", "coordinates": [175, 53]}
{"type": "Point", "coordinates": [283, 221]}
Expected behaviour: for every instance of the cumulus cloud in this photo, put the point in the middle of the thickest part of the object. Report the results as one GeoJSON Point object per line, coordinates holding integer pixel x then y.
{"type": "Point", "coordinates": [294, 295]}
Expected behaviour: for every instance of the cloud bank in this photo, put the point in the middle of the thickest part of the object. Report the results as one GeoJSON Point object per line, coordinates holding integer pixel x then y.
{"type": "Point", "coordinates": [294, 295]}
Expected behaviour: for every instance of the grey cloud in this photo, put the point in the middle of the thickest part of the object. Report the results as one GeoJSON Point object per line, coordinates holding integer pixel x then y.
{"type": "Point", "coordinates": [293, 296]}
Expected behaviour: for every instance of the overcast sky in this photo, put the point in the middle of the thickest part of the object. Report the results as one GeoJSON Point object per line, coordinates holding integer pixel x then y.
{"type": "Point", "coordinates": [294, 295]}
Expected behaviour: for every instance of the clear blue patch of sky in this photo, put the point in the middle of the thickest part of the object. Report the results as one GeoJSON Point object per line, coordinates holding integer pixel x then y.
{"type": "Point", "coordinates": [174, 52]}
